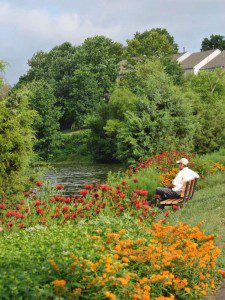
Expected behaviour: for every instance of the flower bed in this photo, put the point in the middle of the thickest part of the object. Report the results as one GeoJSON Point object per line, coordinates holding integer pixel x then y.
{"type": "Point", "coordinates": [45, 205]}
{"type": "Point", "coordinates": [165, 262]}
{"type": "Point", "coordinates": [118, 250]}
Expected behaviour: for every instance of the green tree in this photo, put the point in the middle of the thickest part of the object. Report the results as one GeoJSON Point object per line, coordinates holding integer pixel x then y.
{"type": "Point", "coordinates": [16, 141]}
{"type": "Point", "coordinates": [46, 124]}
{"type": "Point", "coordinates": [156, 42]}
{"type": "Point", "coordinates": [66, 66]}
{"type": "Point", "coordinates": [209, 109]}
{"type": "Point", "coordinates": [146, 114]}
{"type": "Point", "coordinates": [102, 55]}
{"type": "Point", "coordinates": [106, 121]}
{"type": "Point", "coordinates": [215, 41]}
{"type": "Point", "coordinates": [164, 120]}
{"type": "Point", "coordinates": [84, 95]}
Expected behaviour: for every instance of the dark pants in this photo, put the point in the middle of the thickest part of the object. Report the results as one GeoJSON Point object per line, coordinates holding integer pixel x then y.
{"type": "Point", "coordinates": [166, 193]}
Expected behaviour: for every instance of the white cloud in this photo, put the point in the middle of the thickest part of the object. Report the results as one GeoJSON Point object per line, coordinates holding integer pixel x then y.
{"type": "Point", "coordinates": [28, 26]}
{"type": "Point", "coordinates": [41, 24]}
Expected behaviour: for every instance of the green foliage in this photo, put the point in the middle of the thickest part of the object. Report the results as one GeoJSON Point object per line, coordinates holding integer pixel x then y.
{"type": "Point", "coordinates": [209, 109]}
{"type": "Point", "coordinates": [16, 141]}
{"type": "Point", "coordinates": [156, 42]}
{"type": "Point", "coordinates": [101, 145]}
{"type": "Point", "coordinates": [79, 75]}
{"type": "Point", "coordinates": [215, 41]}
{"type": "Point", "coordinates": [73, 146]}
{"type": "Point", "coordinates": [163, 121]}
{"type": "Point", "coordinates": [46, 123]}
{"type": "Point", "coordinates": [103, 56]}
{"type": "Point", "coordinates": [145, 114]}
{"type": "Point", "coordinates": [84, 95]}
{"type": "Point", "coordinates": [107, 121]}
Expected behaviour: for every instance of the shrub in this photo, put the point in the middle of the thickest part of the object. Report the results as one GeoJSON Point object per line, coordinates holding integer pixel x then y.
{"type": "Point", "coordinates": [73, 145]}
{"type": "Point", "coordinates": [16, 141]}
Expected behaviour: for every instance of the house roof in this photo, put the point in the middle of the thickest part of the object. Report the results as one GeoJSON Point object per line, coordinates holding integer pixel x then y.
{"type": "Point", "coordinates": [178, 55]}
{"type": "Point", "coordinates": [191, 61]}
{"type": "Point", "coordinates": [218, 61]}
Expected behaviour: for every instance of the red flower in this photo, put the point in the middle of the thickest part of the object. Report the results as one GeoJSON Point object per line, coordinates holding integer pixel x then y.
{"type": "Point", "coordinates": [65, 209]}
{"type": "Point", "coordinates": [83, 192]}
{"type": "Point", "coordinates": [167, 213]}
{"type": "Point", "coordinates": [88, 186]}
{"type": "Point", "coordinates": [59, 186]}
{"type": "Point", "coordinates": [141, 192]}
{"type": "Point", "coordinates": [40, 211]}
{"type": "Point", "coordinates": [9, 224]}
{"type": "Point", "coordinates": [39, 183]}
{"type": "Point", "coordinates": [104, 187]}
{"type": "Point", "coordinates": [66, 216]}
{"type": "Point", "coordinates": [122, 195]}
{"type": "Point", "coordinates": [2, 206]}
{"type": "Point", "coordinates": [176, 207]}
{"type": "Point", "coordinates": [135, 179]}
{"type": "Point", "coordinates": [54, 215]}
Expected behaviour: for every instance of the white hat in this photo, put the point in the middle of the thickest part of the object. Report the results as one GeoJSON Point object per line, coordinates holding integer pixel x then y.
{"type": "Point", "coordinates": [183, 161]}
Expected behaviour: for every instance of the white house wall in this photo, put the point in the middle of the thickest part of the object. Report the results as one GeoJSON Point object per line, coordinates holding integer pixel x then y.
{"type": "Point", "coordinates": [206, 60]}
{"type": "Point", "coordinates": [183, 57]}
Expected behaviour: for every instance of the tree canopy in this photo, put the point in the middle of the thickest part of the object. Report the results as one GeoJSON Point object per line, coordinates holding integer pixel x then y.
{"type": "Point", "coordinates": [146, 113]}
{"type": "Point", "coordinates": [215, 41]}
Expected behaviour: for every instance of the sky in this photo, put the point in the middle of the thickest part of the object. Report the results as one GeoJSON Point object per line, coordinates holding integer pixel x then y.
{"type": "Point", "coordinates": [29, 26]}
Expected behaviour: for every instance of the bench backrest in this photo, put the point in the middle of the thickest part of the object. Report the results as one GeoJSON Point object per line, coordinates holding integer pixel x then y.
{"type": "Point", "coordinates": [188, 189]}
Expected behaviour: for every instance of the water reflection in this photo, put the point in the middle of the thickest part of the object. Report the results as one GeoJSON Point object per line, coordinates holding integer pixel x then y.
{"type": "Point", "coordinates": [74, 175]}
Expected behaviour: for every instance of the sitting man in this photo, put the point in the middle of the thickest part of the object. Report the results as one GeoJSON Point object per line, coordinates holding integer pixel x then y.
{"type": "Point", "coordinates": [175, 189]}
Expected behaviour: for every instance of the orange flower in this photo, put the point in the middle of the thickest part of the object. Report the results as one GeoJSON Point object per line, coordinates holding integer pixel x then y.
{"type": "Point", "coordinates": [222, 272]}
{"type": "Point", "coordinates": [59, 282]}
{"type": "Point", "coordinates": [110, 295]}
{"type": "Point", "coordinates": [125, 259]}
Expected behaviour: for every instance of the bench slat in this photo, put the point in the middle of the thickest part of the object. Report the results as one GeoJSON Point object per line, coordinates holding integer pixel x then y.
{"type": "Point", "coordinates": [171, 201]}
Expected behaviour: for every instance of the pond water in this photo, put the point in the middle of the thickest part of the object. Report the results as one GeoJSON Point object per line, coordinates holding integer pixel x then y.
{"type": "Point", "coordinates": [74, 175]}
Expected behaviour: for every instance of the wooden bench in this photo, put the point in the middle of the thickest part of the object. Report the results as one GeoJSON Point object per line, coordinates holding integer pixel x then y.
{"type": "Point", "coordinates": [186, 194]}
